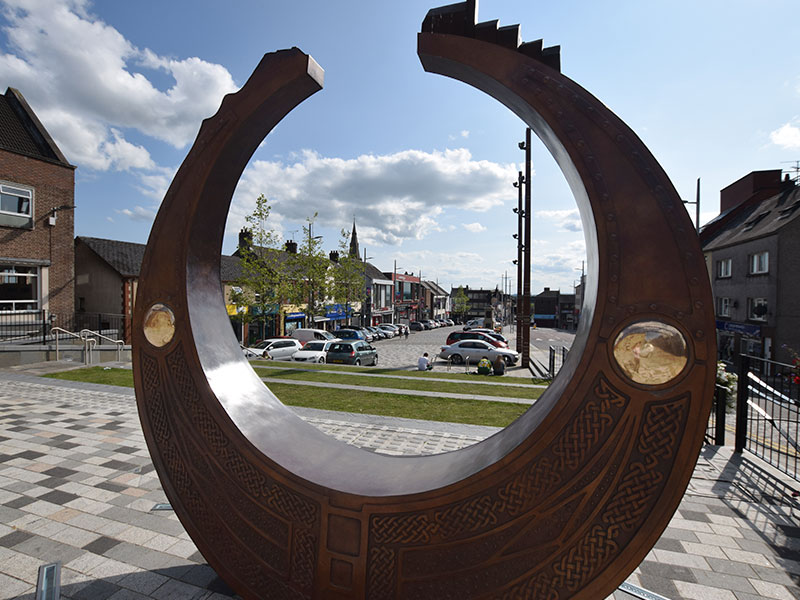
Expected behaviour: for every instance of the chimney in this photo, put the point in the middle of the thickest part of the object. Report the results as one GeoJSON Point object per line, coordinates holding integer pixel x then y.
{"type": "Point", "coordinates": [245, 238]}
{"type": "Point", "coordinates": [334, 256]}
{"type": "Point", "coordinates": [756, 183]}
{"type": "Point", "coordinates": [291, 247]}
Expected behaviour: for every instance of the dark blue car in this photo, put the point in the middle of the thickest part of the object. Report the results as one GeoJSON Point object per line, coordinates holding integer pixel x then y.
{"type": "Point", "coordinates": [350, 334]}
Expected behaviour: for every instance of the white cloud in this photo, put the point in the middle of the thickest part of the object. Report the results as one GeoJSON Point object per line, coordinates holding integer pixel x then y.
{"type": "Point", "coordinates": [396, 197]}
{"type": "Point", "coordinates": [567, 220]}
{"type": "Point", "coordinates": [473, 227]}
{"type": "Point", "coordinates": [787, 136]}
{"type": "Point", "coordinates": [139, 213]}
{"type": "Point", "coordinates": [89, 86]}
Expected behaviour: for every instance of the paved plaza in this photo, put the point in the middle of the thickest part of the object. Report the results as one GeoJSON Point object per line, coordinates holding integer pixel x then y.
{"type": "Point", "coordinates": [77, 486]}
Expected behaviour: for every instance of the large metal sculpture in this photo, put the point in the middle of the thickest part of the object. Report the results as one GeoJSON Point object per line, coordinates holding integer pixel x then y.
{"type": "Point", "coordinates": [563, 503]}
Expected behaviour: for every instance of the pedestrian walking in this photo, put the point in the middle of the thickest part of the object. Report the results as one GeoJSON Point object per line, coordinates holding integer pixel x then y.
{"type": "Point", "coordinates": [406, 331]}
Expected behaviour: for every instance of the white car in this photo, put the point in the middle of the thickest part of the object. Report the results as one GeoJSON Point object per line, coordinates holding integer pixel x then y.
{"type": "Point", "coordinates": [474, 350]}
{"type": "Point", "coordinates": [276, 349]}
{"type": "Point", "coordinates": [314, 351]}
{"type": "Point", "coordinates": [391, 330]}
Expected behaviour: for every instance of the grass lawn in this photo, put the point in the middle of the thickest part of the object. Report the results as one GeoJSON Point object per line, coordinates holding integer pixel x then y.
{"type": "Point", "coordinates": [475, 412]}
{"type": "Point", "coordinates": [456, 387]}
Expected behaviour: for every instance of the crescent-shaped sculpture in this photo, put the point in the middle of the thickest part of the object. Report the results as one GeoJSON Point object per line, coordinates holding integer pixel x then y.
{"type": "Point", "coordinates": [563, 503]}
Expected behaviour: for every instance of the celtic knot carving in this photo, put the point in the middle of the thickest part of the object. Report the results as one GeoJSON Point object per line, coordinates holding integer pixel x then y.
{"type": "Point", "coordinates": [304, 553]}
{"type": "Point", "coordinates": [580, 561]}
{"type": "Point", "coordinates": [662, 427]}
{"type": "Point", "coordinates": [476, 514]}
{"type": "Point", "coordinates": [401, 529]}
{"type": "Point", "coordinates": [155, 397]}
{"type": "Point", "coordinates": [381, 581]}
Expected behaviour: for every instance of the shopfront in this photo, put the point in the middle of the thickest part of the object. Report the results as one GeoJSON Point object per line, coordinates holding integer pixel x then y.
{"type": "Point", "coordinates": [292, 321]}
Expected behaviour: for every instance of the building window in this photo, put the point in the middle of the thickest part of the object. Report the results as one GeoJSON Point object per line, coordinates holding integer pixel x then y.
{"type": "Point", "coordinates": [724, 307]}
{"type": "Point", "coordinates": [724, 268]}
{"type": "Point", "coordinates": [759, 263]}
{"type": "Point", "coordinates": [757, 309]}
{"type": "Point", "coordinates": [16, 201]}
{"type": "Point", "coordinates": [19, 288]}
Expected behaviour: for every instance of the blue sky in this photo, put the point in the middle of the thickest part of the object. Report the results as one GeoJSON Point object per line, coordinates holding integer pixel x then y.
{"type": "Point", "coordinates": [423, 163]}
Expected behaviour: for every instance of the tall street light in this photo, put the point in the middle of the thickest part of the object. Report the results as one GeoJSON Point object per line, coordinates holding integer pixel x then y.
{"type": "Point", "coordinates": [394, 293]}
{"type": "Point", "coordinates": [520, 212]}
{"type": "Point", "coordinates": [311, 239]}
{"type": "Point", "coordinates": [525, 322]}
{"type": "Point", "coordinates": [367, 303]}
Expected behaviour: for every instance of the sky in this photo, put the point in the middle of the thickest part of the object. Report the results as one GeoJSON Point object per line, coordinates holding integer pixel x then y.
{"type": "Point", "coordinates": [423, 163]}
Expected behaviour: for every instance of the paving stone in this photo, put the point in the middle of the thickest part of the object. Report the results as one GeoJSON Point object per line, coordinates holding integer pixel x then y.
{"type": "Point", "coordinates": [772, 590]}
{"type": "Point", "coordinates": [659, 585]}
{"type": "Point", "coordinates": [96, 590]}
{"type": "Point", "coordinates": [101, 545]}
{"type": "Point", "coordinates": [721, 535]}
{"type": "Point", "coordinates": [12, 539]}
{"type": "Point", "coordinates": [695, 591]}
{"type": "Point", "coordinates": [665, 571]}
{"type": "Point", "coordinates": [726, 581]}
{"type": "Point", "coordinates": [47, 550]}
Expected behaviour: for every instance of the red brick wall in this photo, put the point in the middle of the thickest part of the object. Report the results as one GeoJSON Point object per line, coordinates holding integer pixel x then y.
{"type": "Point", "coordinates": [53, 185]}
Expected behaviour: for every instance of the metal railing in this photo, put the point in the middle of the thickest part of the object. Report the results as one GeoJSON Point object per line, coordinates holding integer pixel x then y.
{"type": "Point", "coordinates": [557, 358]}
{"type": "Point", "coordinates": [23, 327]}
{"type": "Point", "coordinates": [768, 413]}
{"type": "Point", "coordinates": [88, 343]}
{"type": "Point", "coordinates": [715, 430]}
{"type": "Point", "coordinates": [85, 333]}
{"type": "Point", "coordinates": [34, 326]}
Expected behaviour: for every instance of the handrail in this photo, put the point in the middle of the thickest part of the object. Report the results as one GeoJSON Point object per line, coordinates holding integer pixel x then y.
{"type": "Point", "coordinates": [88, 344]}
{"type": "Point", "coordinates": [120, 343]}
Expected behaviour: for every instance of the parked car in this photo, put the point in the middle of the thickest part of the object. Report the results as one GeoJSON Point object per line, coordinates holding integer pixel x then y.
{"type": "Point", "coordinates": [314, 351]}
{"type": "Point", "coordinates": [377, 332]}
{"type": "Point", "coordinates": [472, 324]}
{"type": "Point", "coordinates": [494, 334]}
{"type": "Point", "coordinates": [350, 334]}
{"type": "Point", "coordinates": [475, 350]}
{"type": "Point", "coordinates": [403, 327]}
{"type": "Point", "coordinates": [457, 336]}
{"type": "Point", "coordinates": [306, 335]}
{"type": "Point", "coordinates": [352, 353]}
{"type": "Point", "coordinates": [276, 349]}
{"type": "Point", "coordinates": [433, 324]}
{"type": "Point", "coordinates": [416, 326]}
{"type": "Point", "coordinates": [391, 330]}
{"type": "Point", "coordinates": [368, 335]}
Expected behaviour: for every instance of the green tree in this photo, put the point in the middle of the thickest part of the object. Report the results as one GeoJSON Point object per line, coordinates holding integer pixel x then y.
{"type": "Point", "coordinates": [262, 278]}
{"type": "Point", "coordinates": [460, 302]}
{"type": "Point", "coordinates": [306, 282]}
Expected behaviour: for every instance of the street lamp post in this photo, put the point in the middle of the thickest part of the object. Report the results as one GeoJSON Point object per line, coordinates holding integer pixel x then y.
{"type": "Point", "coordinates": [520, 212]}
{"type": "Point", "coordinates": [526, 268]}
{"type": "Point", "coordinates": [311, 311]}
{"type": "Point", "coordinates": [365, 317]}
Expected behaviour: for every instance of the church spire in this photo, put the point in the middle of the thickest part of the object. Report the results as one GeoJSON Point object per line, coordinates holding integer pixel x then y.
{"type": "Point", "coordinates": [354, 252]}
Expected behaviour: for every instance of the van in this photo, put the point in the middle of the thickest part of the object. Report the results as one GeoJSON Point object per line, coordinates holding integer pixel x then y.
{"type": "Point", "coordinates": [306, 335]}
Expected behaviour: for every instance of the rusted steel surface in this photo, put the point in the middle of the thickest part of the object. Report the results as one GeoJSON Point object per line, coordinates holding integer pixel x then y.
{"type": "Point", "coordinates": [563, 503]}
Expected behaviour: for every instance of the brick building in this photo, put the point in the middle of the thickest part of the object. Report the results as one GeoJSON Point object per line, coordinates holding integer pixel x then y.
{"type": "Point", "coordinates": [37, 187]}
{"type": "Point", "coordinates": [752, 251]}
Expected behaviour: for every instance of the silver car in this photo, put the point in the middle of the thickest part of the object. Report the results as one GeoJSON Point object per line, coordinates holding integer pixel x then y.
{"type": "Point", "coordinates": [474, 350]}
